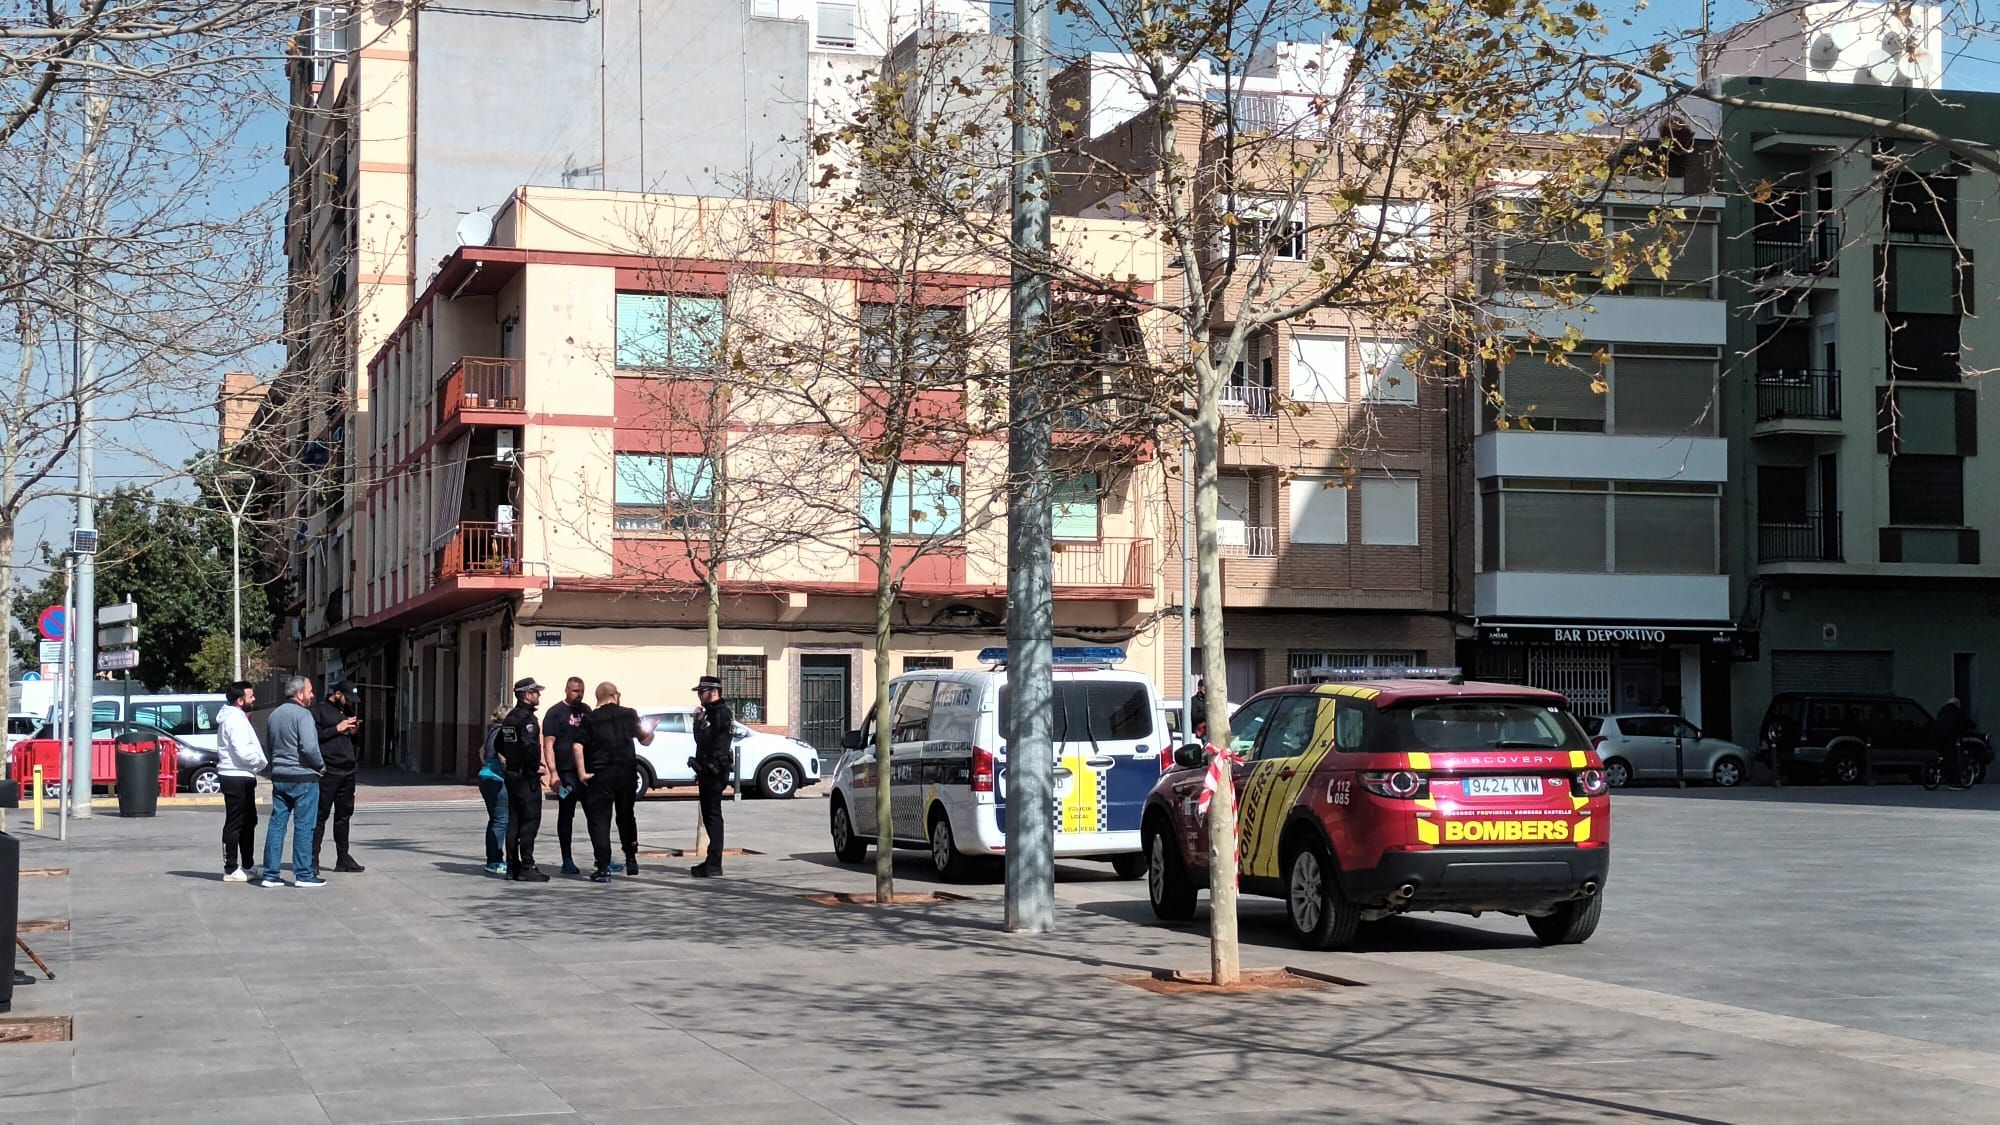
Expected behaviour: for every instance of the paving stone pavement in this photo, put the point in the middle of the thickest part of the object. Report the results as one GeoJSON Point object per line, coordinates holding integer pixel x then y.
{"type": "Point", "coordinates": [424, 990]}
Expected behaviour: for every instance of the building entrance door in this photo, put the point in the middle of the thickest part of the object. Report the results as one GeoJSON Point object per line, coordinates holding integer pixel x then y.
{"type": "Point", "coordinates": [823, 703]}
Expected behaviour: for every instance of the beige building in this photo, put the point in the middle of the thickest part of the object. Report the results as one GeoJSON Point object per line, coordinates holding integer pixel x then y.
{"type": "Point", "coordinates": [540, 486]}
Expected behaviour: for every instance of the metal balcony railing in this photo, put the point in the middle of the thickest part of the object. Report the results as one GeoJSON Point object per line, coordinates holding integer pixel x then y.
{"type": "Point", "coordinates": [1798, 394]}
{"type": "Point", "coordinates": [480, 383]}
{"type": "Point", "coordinates": [1814, 537]}
{"type": "Point", "coordinates": [1126, 563]}
{"type": "Point", "coordinates": [1800, 252]}
{"type": "Point", "coordinates": [1257, 543]}
{"type": "Point", "coordinates": [483, 547]}
{"type": "Point", "coordinates": [1250, 398]}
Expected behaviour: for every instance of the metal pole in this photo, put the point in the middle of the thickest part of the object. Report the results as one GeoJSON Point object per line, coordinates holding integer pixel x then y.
{"type": "Point", "coordinates": [65, 729]}
{"type": "Point", "coordinates": [236, 596]}
{"type": "Point", "coordinates": [83, 626]}
{"type": "Point", "coordinates": [1187, 597]}
{"type": "Point", "coordinates": [1029, 727]}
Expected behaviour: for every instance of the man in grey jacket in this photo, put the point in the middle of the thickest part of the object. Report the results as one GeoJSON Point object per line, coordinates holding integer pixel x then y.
{"type": "Point", "coordinates": [296, 767]}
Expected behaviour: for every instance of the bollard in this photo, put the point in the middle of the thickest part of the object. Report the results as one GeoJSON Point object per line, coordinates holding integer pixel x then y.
{"type": "Point", "coordinates": [38, 798]}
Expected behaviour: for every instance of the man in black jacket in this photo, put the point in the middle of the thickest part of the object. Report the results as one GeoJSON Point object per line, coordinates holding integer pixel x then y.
{"type": "Point", "coordinates": [714, 755]}
{"type": "Point", "coordinates": [334, 716]}
{"type": "Point", "coordinates": [562, 733]}
{"type": "Point", "coordinates": [607, 763]}
{"type": "Point", "coordinates": [520, 746]}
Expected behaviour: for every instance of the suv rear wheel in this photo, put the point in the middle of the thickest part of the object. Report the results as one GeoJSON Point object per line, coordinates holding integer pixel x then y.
{"type": "Point", "coordinates": [1845, 768]}
{"type": "Point", "coordinates": [1167, 882]}
{"type": "Point", "coordinates": [1572, 923]}
{"type": "Point", "coordinates": [1322, 917]}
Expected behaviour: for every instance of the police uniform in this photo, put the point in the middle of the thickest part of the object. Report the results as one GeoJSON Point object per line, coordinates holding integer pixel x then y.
{"type": "Point", "coordinates": [714, 757]}
{"type": "Point", "coordinates": [520, 748]}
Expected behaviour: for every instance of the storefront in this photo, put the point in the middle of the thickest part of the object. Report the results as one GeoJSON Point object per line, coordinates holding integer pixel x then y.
{"type": "Point", "coordinates": [1611, 667]}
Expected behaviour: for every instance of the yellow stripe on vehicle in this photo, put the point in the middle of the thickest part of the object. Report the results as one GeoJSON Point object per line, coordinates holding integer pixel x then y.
{"type": "Point", "coordinates": [1420, 761]}
{"type": "Point", "coordinates": [1427, 802]}
{"type": "Point", "coordinates": [1348, 690]}
{"type": "Point", "coordinates": [1268, 798]}
{"type": "Point", "coordinates": [1427, 831]}
{"type": "Point", "coordinates": [1577, 803]}
{"type": "Point", "coordinates": [1582, 833]}
{"type": "Point", "coordinates": [1079, 809]}
{"type": "Point", "coordinates": [1578, 760]}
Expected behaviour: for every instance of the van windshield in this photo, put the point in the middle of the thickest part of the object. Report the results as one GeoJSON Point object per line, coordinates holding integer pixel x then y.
{"type": "Point", "coordinates": [1099, 710]}
{"type": "Point", "coordinates": [1483, 724]}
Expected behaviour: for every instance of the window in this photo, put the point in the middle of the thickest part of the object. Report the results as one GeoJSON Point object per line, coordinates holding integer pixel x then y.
{"type": "Point", "coordinates": [1319, 510]}
{"type": "Point", "coordinates": [1663, 391]}
{"type": "Point", "coordinates": [664, 330]}
{"type": "Point", "coordinates": [1600, 527]}
{"type": "Point", "coordinates": [925, 501]}
{"type": "Point", "coordinates": [1299, 662]}
{"type": "Point", "coordinates": [655, 492]}
{"type": "Point", "coordinates": [1665, 534]}
{"type": "Point", "coordinates": [834, 28]}
{"type": "Point", "coordinates": [1076, 507]}
{"type": "Point", "coordinates": [1257, 227]}
{"type": "Point", "coordinates": [1554, 531]}
{"type": "Point", "coordinates": [1384, 378]}
{"type": "Point", "coordinates": [925, 663]}
{"type": "Point", "coordinates": [1349, 723]}
{"type": "Point", "coordinates": [1397, 232]}
{"type": "Point", "coordinates": [911, 720]}
{"type": "Point", "coordinates": [1564, 394]}
{"type": "Point", "coordinates": [743, 686]}
{"type": "Point", "coordinates": [1927, 490]}
{"type": "Point", "coordinates": [1319, 368]}
{"type": "Point", "coordinates": [1291, 727]}
{"type": "Point", "coordinates": [674, 722]}
{"type": "Point", "coordinates": [1389, 511]}
{"type": "Point", "coordinates": [927, 343]}
{"type": "Point", "coordinates": [1920, 419]}
{"type": "Point", "coordinates": [1245, 724]}
{"type": "Point", "coordinates": [764, 9]}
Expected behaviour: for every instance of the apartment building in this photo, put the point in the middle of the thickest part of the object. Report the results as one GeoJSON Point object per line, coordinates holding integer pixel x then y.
{"type": "Point", "coordinates": [531, 508]}
{"type": "Point", "coordinates": [1337, 492]}
{"type": "Point", "coordinates": [1599, 473]}
{"type": "Point", "coordinates": [401, 148]}
{"type": "Point", "coordinates": [1861, 512]}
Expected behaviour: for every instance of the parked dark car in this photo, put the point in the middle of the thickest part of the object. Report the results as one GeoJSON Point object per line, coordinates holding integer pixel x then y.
{"type": "Point", "coordinates": [1840, 736]}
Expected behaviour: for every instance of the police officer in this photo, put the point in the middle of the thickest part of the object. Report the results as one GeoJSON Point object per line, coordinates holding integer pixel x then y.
{"type": "Point", "coordinates": [520, 746]}
{"type": "Point", "coordinates": [714, 755]}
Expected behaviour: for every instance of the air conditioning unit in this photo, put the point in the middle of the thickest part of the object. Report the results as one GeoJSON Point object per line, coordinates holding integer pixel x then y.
{"type": "Point", "coordinates": [1795, 305]}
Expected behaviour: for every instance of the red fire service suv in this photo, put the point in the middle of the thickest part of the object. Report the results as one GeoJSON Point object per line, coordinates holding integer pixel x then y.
{"type": "Point", "coordinates": [1361, 797]}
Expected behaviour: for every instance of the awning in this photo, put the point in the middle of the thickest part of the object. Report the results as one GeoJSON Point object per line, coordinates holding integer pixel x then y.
{"type": "Point", "coordinates": [449, 496]}
{"type": "Point", "coordinates": [1608, 633]}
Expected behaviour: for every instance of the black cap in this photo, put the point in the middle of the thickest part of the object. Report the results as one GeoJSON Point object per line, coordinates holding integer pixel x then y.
{"type": "Point", "coordinates": [526, 684]}
{"type": "Point", "coordinates": [708, 683]}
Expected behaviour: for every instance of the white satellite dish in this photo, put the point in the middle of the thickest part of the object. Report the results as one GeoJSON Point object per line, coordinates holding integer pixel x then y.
{"type": "Point", "coordinates": [475, 229]}
{"type": "Point", "coordinates": [1825, 52]}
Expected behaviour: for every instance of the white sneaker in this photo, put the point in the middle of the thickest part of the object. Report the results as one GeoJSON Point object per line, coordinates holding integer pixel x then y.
{"type": "Point", "coordinates": [237, 876]}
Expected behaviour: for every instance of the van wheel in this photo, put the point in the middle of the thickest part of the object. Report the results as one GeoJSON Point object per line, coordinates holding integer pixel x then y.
{"type": "Point", "coordinates": [206, 781]}
{"type": "Point", "coordinates": [950, 866]}
{"type": "Point", "coordinates": [1617, 773]}
{"type": "Point", "coordinates": [847, 846]}
{"type": "Point", "coordinates": [1572, 923]}
{"type": "Point", "coordinates": [1167, 882]}
{"type": "Point", "coordinates": [1728, 773]}
{"type": "Point", "coordinates": [1130, 866]}
{"type": "Point", "coordinates": [1322, 917]}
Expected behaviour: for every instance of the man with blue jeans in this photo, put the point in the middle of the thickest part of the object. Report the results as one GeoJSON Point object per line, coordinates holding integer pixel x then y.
{"type": "Point", "coordinates": [296, 767]}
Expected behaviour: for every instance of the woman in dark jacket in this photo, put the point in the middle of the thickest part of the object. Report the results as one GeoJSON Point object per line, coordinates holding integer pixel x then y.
{"type": "Point", "coordinates": [493, 788]}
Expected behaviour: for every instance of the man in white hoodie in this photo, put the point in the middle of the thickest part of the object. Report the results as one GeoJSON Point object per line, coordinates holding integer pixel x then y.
{"type": "Point", "coordinates": [242, 761]}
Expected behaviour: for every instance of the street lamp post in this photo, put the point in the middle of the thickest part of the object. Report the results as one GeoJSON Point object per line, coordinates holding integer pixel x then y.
{"type": "Point", "coordinates": [235, 564]}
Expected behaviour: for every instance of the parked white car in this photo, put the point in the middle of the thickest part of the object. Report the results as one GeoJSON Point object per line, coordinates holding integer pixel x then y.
{"type": "Point", "coordinates": [1647, 746]}
{"type": "Point", "coordinates": [22, 726]}
{"type": "Point", "coordinates": [771, 764]}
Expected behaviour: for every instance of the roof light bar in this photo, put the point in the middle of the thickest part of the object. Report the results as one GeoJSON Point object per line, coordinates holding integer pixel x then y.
{"type": "Point", "coordinates": [1093, 655]}
{"type": "Point", "coordinates": [1341, 675]}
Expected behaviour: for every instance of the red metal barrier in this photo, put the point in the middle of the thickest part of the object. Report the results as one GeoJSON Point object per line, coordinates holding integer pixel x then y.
{"type": "Point", "coordinates": [47, 754]}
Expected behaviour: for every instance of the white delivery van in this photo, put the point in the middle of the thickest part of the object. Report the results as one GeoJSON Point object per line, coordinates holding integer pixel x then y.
{"type": "Point", "coordinates": [948, 771]}
{"type": "Point", "coordinates": [190, 718]}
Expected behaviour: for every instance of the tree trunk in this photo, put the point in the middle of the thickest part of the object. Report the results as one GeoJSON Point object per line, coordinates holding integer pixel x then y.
{"type": "Point", "coordinates": [7, 601]}
{"type": "Point", "coordinates": [1222, 872]}
{"type": "Point", "coordinates": [885, 604]}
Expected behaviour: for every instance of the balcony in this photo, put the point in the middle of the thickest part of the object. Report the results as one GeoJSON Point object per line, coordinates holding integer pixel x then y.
{"type": "Point", "coordinates": [481, 390]}
{"type": "Point", "coordinates": [1787, 397]}
{"type": "Point", "coordinates": [1798, 253]}
{"type": "Point", "coordinates": [483, 547]}
{"type": "Point", "coordinates": [1813, 537]}
{"type": "Point", "coordinates": [1242, 542]}
{"type": "Point", "coordinates": [1253, 399]}
{"type": "Point", "coordinates": [1106, 564]}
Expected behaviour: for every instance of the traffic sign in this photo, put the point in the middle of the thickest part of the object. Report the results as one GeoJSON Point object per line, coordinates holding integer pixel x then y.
{"type": "Point", "coordinates": [124, 658]}
{"type": "Point", "coordinates": [51, 623]}
{"type": "Point", "coordinates": [31, 677]}
{"type": "Point", "coordinates": [119, 636]}
{"type": "Point", "coordinates": [52, 652]}
{"type": "Point", "coordinates": [121, 613]}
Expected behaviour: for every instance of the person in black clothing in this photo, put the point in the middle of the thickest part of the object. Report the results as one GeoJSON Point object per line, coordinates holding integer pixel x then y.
{"type": "Point", "coordinates": [714, 755]}
{"type": "Point", "coordinates": [520, 745]}
{"type": "Point", "coordinates": [609, 768]}
{"type": "Point", "coordinates": [337, 723]}
{"type": "Point", "coordinates": [1948, 728]}
{"type": "Point", "coordinates": [1198, 710]}
{"type": "Point", "coordinates": [562, 733]}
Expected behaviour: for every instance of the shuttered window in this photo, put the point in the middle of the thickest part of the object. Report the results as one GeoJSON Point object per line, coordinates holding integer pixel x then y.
{"type": "Point", "coordinates": [1665, 534]}
{"type": "Point", "coordinates": [1553, 531]}
{"type": "Point", "coordinates": [1663, 395]}
{"type": "Point", "coordinates": [1554, 394]}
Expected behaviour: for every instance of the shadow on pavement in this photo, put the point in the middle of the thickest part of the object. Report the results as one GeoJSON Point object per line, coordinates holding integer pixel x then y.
{"type": "Point", "coordinates": [1261, 922]}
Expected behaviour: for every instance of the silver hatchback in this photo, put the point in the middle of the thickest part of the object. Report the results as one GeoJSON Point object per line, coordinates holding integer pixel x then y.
{"type": "Point", "coordinates": [1653, 747]}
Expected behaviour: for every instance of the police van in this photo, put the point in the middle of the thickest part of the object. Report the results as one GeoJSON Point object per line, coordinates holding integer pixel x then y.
{"type": "Point", "coordinates": [948, 764]}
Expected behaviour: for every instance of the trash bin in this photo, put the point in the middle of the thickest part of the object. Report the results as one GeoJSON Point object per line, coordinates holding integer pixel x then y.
{"type": "Point", "coordinates": [10, 903]}
{"type": "Point", "coordinates": [138, 781]}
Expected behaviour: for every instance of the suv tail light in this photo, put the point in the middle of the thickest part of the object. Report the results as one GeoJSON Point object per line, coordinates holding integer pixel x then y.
{"type": "Point", "coordinates": [1590, 783]}
{"type": "Point", "coordinates": [982, 770]}
{"type": "Point", "coordinates": [1400, 784]}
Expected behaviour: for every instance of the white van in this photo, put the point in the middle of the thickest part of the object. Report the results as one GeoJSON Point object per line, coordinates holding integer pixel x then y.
{"type": "Point", "coordinates": [189, 718]}
{"type": "Point", "coordinates": [948, 767]}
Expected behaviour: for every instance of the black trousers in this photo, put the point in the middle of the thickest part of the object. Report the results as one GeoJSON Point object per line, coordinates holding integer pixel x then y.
{"type": "Point", "coordinates": [566, 815]}
{"type": "Point", "coordinates": [611, 793]}
{"type": "Point", "coordinates": [239, 822]}
{"type": "Point", "coordinates": [336, 803]}
{"type": "Point", "coordinates": [711, 818]}
{"type": "Point", "coordinates": [524, 819]}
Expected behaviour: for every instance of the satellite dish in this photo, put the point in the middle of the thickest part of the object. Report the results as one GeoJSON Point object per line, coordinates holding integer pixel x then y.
{"type": "Point", "coordinates": [475, 229]}
{"type": "Point", "coordinates": [1824, 53]}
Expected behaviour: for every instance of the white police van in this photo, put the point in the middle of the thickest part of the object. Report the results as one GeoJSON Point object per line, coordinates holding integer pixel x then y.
{"type": "Point", "coordinates": [948, 763]}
